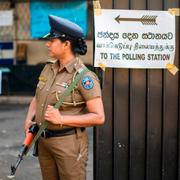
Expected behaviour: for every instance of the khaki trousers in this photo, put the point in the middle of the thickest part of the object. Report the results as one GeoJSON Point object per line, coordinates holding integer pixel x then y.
{"type": "Point", "coordinates": [63, 158]}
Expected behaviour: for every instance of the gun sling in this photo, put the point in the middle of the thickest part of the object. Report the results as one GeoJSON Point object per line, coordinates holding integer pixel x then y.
{"type": "Point", "coordinates": [44, 124]}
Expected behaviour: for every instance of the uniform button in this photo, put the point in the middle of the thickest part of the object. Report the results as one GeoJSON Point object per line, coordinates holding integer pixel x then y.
{"type": "Point", "coordinates": [42, 105]}
{"type": "Point", "coordinates": [47, 89]}
{"type": "Point", "coordinates": [59, 91]}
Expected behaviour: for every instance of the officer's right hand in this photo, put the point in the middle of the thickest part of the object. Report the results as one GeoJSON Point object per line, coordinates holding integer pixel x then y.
{"type": "Point", "coordinates": [27, 125]}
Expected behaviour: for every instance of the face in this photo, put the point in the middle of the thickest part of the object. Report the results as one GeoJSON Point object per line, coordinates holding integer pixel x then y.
{"type": "Point", "coordinates": [56, 48]}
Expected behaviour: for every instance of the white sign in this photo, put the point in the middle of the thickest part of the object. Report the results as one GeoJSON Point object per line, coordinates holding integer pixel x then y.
{"type": "Point", "coordinates": [6, 18]}
{"type": "Point", "coordinates": [134, 39]}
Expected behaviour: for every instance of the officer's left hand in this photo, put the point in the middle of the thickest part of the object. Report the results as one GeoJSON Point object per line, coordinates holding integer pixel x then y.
{"type": "Point", "coordinates": [53, 115]}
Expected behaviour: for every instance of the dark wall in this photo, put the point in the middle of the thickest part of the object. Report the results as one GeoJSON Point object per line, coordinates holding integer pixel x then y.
{"type": "Point", "coordinates": [140, 139]}
{"type": "Point", "coordinates": [22, 79]}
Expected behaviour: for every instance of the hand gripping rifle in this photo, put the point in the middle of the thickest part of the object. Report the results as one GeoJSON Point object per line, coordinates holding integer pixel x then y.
{"type": "Point", "coordinates": [35, 131]}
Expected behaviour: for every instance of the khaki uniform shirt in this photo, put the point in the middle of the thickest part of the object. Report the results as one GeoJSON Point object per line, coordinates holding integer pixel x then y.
{"type": "Point", "coordinates": [53, 81]}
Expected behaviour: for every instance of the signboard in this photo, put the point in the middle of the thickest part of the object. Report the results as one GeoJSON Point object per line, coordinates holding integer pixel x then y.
{"type": "Point", "coordinates": [6, 18]}
{"type": "Point", "coordinates": [75, 11]}
{"type": "Point", "coordinates": [6, 53]}
{"type": "Point", "coordinates": [134, 39]}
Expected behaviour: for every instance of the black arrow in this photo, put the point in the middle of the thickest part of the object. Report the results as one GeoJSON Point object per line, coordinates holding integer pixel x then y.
{"type": "Point", "coordinates": [145, 20]}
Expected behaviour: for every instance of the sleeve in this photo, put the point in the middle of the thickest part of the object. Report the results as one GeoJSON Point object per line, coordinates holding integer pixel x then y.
{"type": "Point", "coordinates": [89, 86]}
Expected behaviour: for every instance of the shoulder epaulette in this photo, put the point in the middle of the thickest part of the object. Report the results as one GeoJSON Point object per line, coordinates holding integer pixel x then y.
{"type": "Point", "coordinates": [82, 67]}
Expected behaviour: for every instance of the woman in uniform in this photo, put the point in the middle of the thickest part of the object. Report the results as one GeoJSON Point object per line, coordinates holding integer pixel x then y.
{"type": "Point", "coordinates": [63, 146]}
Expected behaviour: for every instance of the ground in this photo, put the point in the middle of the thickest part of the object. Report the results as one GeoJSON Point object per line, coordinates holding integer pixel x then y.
{"type": "Point", "coordinates": [11, 138]}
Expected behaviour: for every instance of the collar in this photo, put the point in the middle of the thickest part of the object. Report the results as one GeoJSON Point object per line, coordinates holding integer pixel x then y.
{"type": "Point", "coordinates": [70, 67]}
{"type": "Point", "coordinates": [55, 66]}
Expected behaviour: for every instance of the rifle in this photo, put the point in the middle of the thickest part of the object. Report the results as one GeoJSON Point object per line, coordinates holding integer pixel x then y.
{"type": "Point", "coordinates": [24, 148]}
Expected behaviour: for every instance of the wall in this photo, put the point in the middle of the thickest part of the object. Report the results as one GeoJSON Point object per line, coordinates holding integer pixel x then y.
{"type": "Point", "coordinates": [20, 33]}
{"type": "Point", "coordinates": [140, 138]}
{"type": "Point", "coordinates": [37, 52]}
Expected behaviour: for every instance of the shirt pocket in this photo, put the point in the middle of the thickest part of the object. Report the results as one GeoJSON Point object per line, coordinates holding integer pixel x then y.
{"type": "Point", "coordinates": [57, 93]}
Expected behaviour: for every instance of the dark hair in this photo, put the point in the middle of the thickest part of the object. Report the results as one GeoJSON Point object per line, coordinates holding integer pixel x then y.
{"type": "Point", "coordinates": [78, 46]}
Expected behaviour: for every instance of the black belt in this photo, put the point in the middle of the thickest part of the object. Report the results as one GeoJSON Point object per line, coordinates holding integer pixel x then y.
{"type": "Point", "coordinates": [57, 133]}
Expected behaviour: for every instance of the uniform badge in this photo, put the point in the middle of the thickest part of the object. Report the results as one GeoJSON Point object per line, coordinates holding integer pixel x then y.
{"type": "Point", "coordinates": [42, 78]}
{"type": "Point", "coordinates": [87, 82]}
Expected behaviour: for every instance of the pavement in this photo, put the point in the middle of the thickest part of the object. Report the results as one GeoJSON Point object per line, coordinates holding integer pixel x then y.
{"type": "Point", "coordinates": [12, 113]}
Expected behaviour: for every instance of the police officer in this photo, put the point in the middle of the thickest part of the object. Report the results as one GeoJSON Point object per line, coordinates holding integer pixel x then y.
{"type": "Point", "coordinates": [63, 146]}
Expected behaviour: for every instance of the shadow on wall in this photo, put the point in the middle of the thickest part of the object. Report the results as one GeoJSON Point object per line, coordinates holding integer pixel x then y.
{"type": "Point", "coordinates": [21, 80]}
